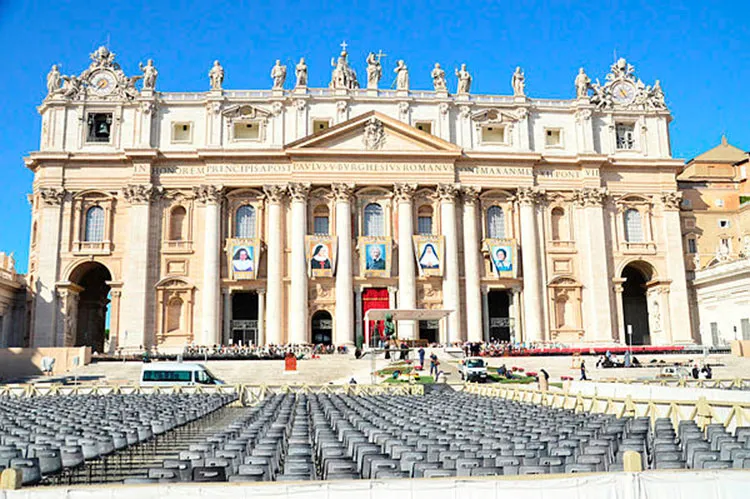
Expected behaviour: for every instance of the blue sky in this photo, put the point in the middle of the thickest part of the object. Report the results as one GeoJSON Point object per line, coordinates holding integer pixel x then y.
{"type": "Point", "coordinates": [700, 52]}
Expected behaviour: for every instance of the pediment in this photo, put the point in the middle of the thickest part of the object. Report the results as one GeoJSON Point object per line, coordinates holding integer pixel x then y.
{"type": "Point", "coordinates": [245, 111]}
{"type": "Point", "coordinates": [487, 116]}
{"type": "Point", "coordinates": [372, 133]}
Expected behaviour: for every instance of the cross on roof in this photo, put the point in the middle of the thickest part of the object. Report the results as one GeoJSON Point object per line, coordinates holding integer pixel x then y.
{"type": "Point", "coordinates": [380, 55]}
{"type": "Point", "coordinates": [344, 45]}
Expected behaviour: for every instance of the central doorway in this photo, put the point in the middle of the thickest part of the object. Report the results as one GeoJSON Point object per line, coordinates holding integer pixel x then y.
{"type": "Point", "coordinates": [429, 331]}
{"type": "Point", "coordinates": [93, 302]}
{"type": "Point", "coordinates": [374, 298]}
{"type": "Point", "coordinates": [499, 316]}
{"type": "Point", "coordinates": [635, 306]}
{"type": "Point", "coordinates": [322, 328]}
{"type": "Point", "coordinates": [244, 324]}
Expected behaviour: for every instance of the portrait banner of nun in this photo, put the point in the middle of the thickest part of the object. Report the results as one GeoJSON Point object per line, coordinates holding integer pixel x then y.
{"type": "Point", "coordinates": [502, 254]}
{"type": "Point", "coordinates": [321, 255]}
{"type": "Point", "coordinates": [429, 250]}
{"type": "Point", "coordinates": [243, 258]}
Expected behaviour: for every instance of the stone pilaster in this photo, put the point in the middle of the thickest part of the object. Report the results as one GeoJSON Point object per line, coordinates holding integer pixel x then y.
{"type": "Point", "coordinates": [298, 307]}
{"type": "Point", "coordinates": [45, 298]}
{"type": "Point", "coordinates": [451, 291]}
{"type": "Point", "coordinates": [344, 324]}
{"type": "Point", "coordinates": [597, 299]}
{"type": "Point", "coordinates": [527, 198]}
{"type": "Point", "coordinates": [210, 196]}
{"type": "Point", "coordinates": [407, 291]}
{"type": "Point", "coordinates": [274, 321]}
{"type": "Point", "coordinates": [472, 272]}
{"type": "Point", "coordinates": [678, 295]}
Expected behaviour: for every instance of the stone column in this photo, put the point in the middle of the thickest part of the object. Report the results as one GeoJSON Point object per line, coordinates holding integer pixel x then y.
{"type": "Point", "coordinates": [210, 196]}
{"type": "Point", "coordinates": [298, 306]}
{"type": "Point", "coordinates": [227, 295]}
{"type": "Point", "coordinates": [621, 332]}
{"type": "Point", "coordinates": [114, 318]}
{"type": "Point", "coordinates": [532, 279]}
{"type": "Point", "coordinates": [358, 312]}
{"type": "Point", "coordinates": [136, 288]}
{"type": "Point", "coordinates": [407, 287]}
{"type": "Point", "coordinates": [451, 291]}
{"type": "Point", "coordinates": [344, 330]}
{"type": "Point", "coordinates": [475, 309]}
{"type": "Point", "coordinates": [679, 315]}
{"type": "Point", "coordinates": [597, 318]}
{"type": "Point", "coordinates": [515, 313]}
{"type": "Point", "coordinates": [261, 317]}
{"type": "Point", "coordinates": [50, 201]}
{"type": "Point", "coordinates": [485, 313]}
{"type": "Point", "coordinates": [274, 197]}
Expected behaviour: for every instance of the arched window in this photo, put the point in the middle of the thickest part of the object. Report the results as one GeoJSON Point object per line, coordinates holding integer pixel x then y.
{"type": "Point", "coordinates": [424, 220]}
{"type": "Point", "coordinates": [33, 234]}
{"type": "Point", "coordinates": [633, 226]}
{"type": "Point", "coordinates": [559, 227]}
{"type": "Point", "coordinates": [94, 231]}
{"type": "Point", "coordinates": [495, 223]}
{"type": "Point", "coordinates": [174, 315]}
{"type": "Point", "coordinates": [321, 223]}
{"type": "Point", "coordinates": [245, 222]}
{"type": "Point", "coordinates": [374, 224]}
{"type": "Point", "coordinates": [177, 224]}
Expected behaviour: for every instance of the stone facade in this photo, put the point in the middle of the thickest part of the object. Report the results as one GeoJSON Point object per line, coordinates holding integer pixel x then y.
{"type": "Point", "coordinates": [13, 320]}
{"type": "Point", "coordinates": [200, 217]}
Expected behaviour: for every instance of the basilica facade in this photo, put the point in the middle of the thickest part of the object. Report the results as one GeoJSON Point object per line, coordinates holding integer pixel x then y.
{"type": "Point", "coordinates": [284, 215]}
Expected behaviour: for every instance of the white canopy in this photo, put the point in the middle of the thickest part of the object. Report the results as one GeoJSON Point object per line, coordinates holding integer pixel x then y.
{"type": "Point", "coordinates": [378, 314]}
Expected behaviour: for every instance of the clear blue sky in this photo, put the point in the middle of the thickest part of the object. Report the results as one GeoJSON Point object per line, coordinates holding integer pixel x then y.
{"type": "Point", "coordinates": [700, 52]}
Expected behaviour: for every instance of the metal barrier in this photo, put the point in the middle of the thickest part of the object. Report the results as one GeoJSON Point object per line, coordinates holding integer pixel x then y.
{"type": "Point", "coordinates": [723, 383]}
{"type": "Point", "coordinates": [247, 394]}
{"type": "Point", "coordinates": [703, 412]}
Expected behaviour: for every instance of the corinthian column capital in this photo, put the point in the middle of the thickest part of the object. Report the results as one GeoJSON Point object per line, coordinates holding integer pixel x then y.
{"type": "Point", "coordinates": [591, 196]}
{"type": "Point", "coordinates": [140, 193]}
{"type": "Point", "coordinates": [470, 193]}
{"type": "Point", "coordinates": [529, 196]}
{"type": "Point", "coordinates": [52, 196]}
{"type": "Point", "coordinates": [275, 192]}
{"type": "Point", "coordinates": [447, 192]}
{"type": "Point", "coordinates": [342, 192]}
{"type": "Point", "coordinates": [404, 192]}
{"type": "Point", "coordinates": [298, 191]}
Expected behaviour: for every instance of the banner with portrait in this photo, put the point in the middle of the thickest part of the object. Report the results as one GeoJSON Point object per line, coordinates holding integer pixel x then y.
{"type": "Point", "coordinates": [429, 252]}
{"type": "Point", "coordinates": [375, 256]}
{"type": "Point", "coordinates": [243, 256]}
{"type": "Point", "coordinates": [321, 255]}
{"type": "Point", "coordinates": [503, 254]}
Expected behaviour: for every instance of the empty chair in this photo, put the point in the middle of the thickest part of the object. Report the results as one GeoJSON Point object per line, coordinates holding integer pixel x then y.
{"type": "Point", "coordinates": [209, 474]}
{"type": "Point", "coordinates": [30, 472]}
{"type": "Point", "coordinates": [164, 476]}
{"type": "Point", "coordinates": [437, 473]}
{"type": "Point", "coordinates": [533, 470]}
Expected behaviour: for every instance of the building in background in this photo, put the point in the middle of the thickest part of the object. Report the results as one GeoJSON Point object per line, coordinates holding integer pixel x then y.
{"type": "Point", "coordinates": [13, 316]}
{"type": "Point", "coordinates": [716, 227]}
{"type": "Point", "coordinates": [283, 215]}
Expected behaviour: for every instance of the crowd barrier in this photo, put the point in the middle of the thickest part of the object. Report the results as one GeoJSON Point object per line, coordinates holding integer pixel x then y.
{"type": "Point", "coordinates": [724, 484]}
{"type": "Point", "coordinates": [247, 394]}
{"type": "Point", "coordinates": [729, 413]}
{"type": "Point", "coordinates": [720, 383]}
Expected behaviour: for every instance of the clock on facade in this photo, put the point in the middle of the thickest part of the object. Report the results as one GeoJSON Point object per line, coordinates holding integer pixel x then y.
{"type": "Point", "coordinates": [623, 93]}
{"type": "Point", "coordinates": [102, 83]}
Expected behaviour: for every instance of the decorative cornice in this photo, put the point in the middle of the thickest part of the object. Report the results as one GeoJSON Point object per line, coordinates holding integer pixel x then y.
{"type": "Point", "coordinates": [298, 191]}
{"type": "Point", "coordinates": [591, 196]}
{"type": "Point", "coordinates": [447, 192]}
{"type": "Point", "coordinates": [470, 193]}
{"type": "Point", "coordinates": [529, 196]}
{"type": "Point", "coordinates": [342, 192]}
{"type": "Point", "coordinates": [52, 196]}
{"type": "Point", "coordinates": [208, 193]}
{"type": "Point", "coordinates": [275, 192]}
{"type": "Point", "coordinates": [140, 193]}
{"type": "Point", "coordinates": [403, 193]}
{"type": "Point", "coordinates": [671, 200]}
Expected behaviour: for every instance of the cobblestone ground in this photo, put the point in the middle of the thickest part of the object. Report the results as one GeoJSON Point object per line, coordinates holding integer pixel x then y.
{"type": "Point", "coordinates": [341, 368]}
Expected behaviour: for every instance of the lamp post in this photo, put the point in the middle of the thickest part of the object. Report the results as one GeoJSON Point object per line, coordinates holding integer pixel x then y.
{"type": "Point", "coordinates": [630, 335]}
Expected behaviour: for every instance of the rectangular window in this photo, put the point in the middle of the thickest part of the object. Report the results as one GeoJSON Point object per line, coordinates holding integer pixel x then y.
{"type": "Point", "coordinates": [321, 124]}
{"type": "Point", "coordinates": [320, 226]}
{"type": "Point", "coordinates": [183, 376]}
{"type": "Point", "coordinates": [625, 136]}
{"type": "Point", "coordinates": [425, 126]}
{"type": "Point", "coordinates": [424, 226]}
{"type": "Point", "coordinates": [246, 131]}
{"type": "Point", "coordinates": [745, 325]}
{"type": "Point", "coordinates": [493, 134]}
{"type": "Point", "coordinates": [553, 137]}
{"type": "Point", "coordinates": [692, 247]}
{"type": "Point", "coordinates": [181, 132]}
{"type": "Point", "coordinates": [99, 127]}
{"type": "Point", "coordinates": [723, 223]}
{"type": "Point", "coordinates": [715, 334]}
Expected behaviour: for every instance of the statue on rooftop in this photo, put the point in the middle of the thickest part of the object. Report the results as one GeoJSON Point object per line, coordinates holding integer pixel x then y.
{"type": "Point", "coordinates": [149, 74]}
{"type": "Point", "coordinates": [278, 73]}
{"type": "Point", "coordinates": [582, 83]}
{"type": "Point", "coordinates": [343, 76]}
{"type": "Point", "coordinates": [53, 80]}
{"type": "Point", "coordinates": [216, 76]}
{"type": "Point", "coordinates": [438, 78]}
{"type": "Point", "coordinates": [518, 82]}
{"type": "Point", "coordinates": [464, 80]}
{"type": "Point", "coordinates": [402, 76]}
{"type": "Point", "coordinates": [300, 72]}
{"type": "Point", "coordinates": [374, 70]}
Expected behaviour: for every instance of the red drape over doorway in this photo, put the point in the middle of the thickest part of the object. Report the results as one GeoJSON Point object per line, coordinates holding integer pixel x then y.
{"type": "Point", "coordinates": [374, 298]}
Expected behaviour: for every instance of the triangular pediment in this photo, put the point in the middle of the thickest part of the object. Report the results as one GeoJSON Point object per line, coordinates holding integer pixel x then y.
{"type": "Point", "coordinates": [372, 133]}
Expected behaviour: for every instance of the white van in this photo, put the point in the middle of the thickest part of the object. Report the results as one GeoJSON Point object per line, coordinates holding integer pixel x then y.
{"type": "Point", "coordinates": [177, 373]}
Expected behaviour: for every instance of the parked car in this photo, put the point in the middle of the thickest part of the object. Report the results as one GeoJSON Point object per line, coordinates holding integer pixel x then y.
{"type": "Point", "coordinates": [177, 373]}
{"type": "Point", "coordinates": [474, 370]}
{"type": "Point", "coordinates": [672, 372]}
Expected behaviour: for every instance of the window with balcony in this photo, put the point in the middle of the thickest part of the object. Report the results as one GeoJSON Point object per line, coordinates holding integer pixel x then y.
{"type": "Point", "coordinates": [321, 222]}
{"type": "Point", "coordinates": [495, 223]}
{"type": "Point", "coordinates": [424, 221]}
{"type": "Point", "coordinates": [625, 133]}
{"type": "Point", "coordinates": [177, 224]}
{"type": "Point", "coordinates": [633, 226]}
{"type": "Point", "coordinates": [374, 223]}
{"type": "Point", "coordinates": [245, 222]}
{"type": "Point", "coordinates": [94, 227]}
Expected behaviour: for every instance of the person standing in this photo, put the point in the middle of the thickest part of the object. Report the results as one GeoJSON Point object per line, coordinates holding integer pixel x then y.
{"type": "Point", "coordinates": [421, 357]}
{"type": "Point", "coordinates": [583, 371]}
{"type": "Point", "coordinates": [434, 363]}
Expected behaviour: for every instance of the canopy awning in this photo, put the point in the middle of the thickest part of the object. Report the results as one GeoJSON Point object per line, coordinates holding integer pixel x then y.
{"type": "Point", "coordinates": [419, 314]}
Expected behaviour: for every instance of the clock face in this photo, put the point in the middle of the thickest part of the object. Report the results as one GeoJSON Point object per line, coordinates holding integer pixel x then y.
{"type": "Point", "coordinates": [102, 83]}
{"type": "Point", "coordinates": [623, 92]}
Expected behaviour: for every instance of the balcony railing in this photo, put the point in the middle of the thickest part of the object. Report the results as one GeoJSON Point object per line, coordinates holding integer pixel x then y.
{"type": "Point", "coordinates": [177, 246]}
{"type": "Point", "coordinates": [562, 246]}
{"type": "Point", "coordinates": [92, 247]}
{"type": "Point", "coordinates": [640, 247]}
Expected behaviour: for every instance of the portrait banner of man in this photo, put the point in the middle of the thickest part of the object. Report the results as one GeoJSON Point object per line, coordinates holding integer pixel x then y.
{"type": "Point", "coordinates": [321, 255]}
{"type": "Point", "coordinates": [429, 250]}
{"type": "Point", "coordinates": [243, 258]}
{"type": "Point", "coordinates": [375, 256]}
{"type": "Point", "coordinates": [502, 254]}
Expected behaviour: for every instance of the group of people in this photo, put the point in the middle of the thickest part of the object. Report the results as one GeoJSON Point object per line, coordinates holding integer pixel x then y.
{"type": "Point", "coordinates": [497, 348]}
{"type": "Point", "coordinates": [611, 360]}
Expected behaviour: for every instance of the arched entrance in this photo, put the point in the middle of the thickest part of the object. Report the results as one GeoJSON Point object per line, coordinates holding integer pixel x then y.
{"type": "Point", "coordinates": [634, 303]}
{"type": "Point", "coordinates": [322, 328]}
{"type": "Point", "coordinates": [91, 318]}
